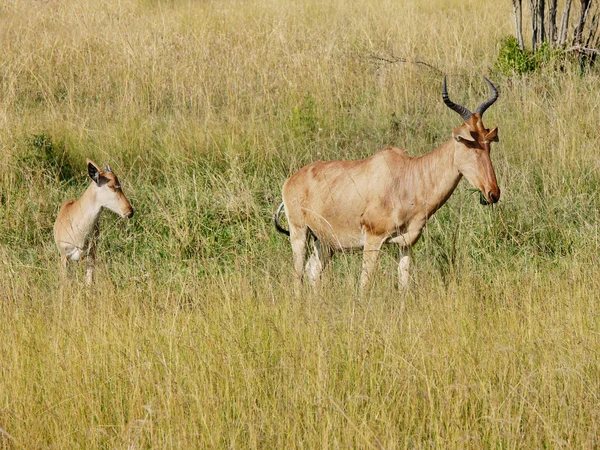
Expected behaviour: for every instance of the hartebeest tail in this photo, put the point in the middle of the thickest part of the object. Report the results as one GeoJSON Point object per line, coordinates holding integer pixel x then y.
{"type": "Point", "coordinates": [76, 227]}
{"type": "Point", "coordinates": [277, 224]}
{"type": "Point", "coordinates": [386, 198]}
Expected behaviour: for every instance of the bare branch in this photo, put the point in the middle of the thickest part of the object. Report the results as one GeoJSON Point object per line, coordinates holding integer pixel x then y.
{"type": "Point", "coordinates": [394, 59]}
{"type": "Point", "coordinates": [580, 49]}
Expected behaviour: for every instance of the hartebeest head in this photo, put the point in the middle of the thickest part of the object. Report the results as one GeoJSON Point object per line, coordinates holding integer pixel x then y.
{"type": "Point", "coordinates": [472, 154]}
{"type": "Point", "coordinates": [108, 190]}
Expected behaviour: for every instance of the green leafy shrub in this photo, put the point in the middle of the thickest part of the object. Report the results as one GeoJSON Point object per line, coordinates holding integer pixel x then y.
{"type": "Point", "coordinates": [512, 60]}
{"type": "Point", "coordinates": [304, 119]}
{"type": "Point", "coordinates": [50, 157]}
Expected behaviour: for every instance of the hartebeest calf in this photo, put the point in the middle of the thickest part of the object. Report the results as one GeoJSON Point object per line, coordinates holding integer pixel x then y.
{"type": "Point", "coordinates": [76, 228]}
{"type": "Point", "coordinates": [386, 198]}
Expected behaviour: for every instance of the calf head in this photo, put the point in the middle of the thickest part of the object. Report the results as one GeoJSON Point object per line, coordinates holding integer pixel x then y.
{"type": "Point", "coordinates": [108, 190]}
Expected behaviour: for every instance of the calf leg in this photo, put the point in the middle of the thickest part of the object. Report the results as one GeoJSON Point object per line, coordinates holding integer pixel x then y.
{"type": "Point", "coordinates": [91, 256]}
{"type": "Point", "coordinates": [89, 272]}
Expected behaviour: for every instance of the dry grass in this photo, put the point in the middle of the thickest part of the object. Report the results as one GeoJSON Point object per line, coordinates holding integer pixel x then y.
{"type": "Point", "coordinates": [190, 337]}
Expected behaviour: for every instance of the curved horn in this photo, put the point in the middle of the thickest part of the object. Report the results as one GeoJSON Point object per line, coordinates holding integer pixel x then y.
{"type": "Point", "coordinates": [464, 112]}
{"type": "Point", "coordinates": [490, 101]}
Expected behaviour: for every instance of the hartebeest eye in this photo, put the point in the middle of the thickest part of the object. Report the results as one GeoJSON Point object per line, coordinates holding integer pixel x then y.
{"type": "Point", "coordinates": [492, 135]}
{"type": "Point", "coordinates": [461, 133]}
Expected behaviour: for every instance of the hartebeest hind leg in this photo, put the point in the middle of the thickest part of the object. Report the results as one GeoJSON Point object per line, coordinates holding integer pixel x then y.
{"type": "Point", "coordinates": [321, 255]}
{"type": "Point", "coordinates": [298, 237]}
{"type": "Point", "coordinates": [64, 265]}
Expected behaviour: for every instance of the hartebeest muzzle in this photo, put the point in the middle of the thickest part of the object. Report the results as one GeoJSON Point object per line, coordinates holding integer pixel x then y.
{"type": "Point", "coordinates": [493, 196]}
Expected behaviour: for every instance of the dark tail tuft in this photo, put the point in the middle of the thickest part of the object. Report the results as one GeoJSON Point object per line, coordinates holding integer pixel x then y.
{"type": "Point", "coordinates": [277, 225]}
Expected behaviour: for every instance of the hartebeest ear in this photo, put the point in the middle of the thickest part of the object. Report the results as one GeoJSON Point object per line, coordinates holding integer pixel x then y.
{"type": "Point", "coordinates": [492, 136]}
{"type": "Point", "coordinates": [94, 171]}
{"type": "Point", "coordinates": [462, 133]}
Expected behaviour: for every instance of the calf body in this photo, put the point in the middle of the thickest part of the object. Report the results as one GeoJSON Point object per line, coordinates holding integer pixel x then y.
{"type": "Point", "coordinates": [386, 198]}
{"type": "Point", "coordinates": [76, 227]}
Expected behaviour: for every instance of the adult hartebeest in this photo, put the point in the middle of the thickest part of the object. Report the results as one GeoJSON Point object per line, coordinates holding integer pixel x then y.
{"type": "Point", "coordinates": [76, 228]}
{"type": "Point", "coordinates": [386, 198]}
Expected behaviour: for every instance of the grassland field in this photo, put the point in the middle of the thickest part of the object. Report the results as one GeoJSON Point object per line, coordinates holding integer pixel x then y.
{"type": "Point", "coordinates": [191, 336]}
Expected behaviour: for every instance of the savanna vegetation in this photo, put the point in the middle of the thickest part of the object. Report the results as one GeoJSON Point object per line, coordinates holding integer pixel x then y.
{"type": "Point", "coordinates": [191, 336]}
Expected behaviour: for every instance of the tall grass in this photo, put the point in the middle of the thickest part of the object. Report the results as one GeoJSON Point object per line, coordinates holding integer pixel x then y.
{"type": "Point", "coordinates": [190, 336]}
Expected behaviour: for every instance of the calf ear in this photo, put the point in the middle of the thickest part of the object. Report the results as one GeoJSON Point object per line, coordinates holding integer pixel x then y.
{"type": "Point", "coordinates": [94, 171]}
{"type": "Point", "coordinates": [492, 136]}
{"type": "Point", "coordinates": [462, 133]}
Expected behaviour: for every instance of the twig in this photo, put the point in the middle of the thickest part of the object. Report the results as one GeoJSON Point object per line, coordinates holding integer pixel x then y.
{"type": "Point", "coordinates": [6, 434]}
{"type": "Point", "coordinates": [579, 48]}
{"type": "Point", "coordinates": [398, 59]}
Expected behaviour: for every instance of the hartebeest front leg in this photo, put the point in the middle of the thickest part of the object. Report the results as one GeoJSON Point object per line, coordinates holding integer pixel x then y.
{"type": "Point", "coordinates": [404, 268]}
{"type": "Point", "coordinates": [405, 241]}
{"type": "Point", "coordinates": [371, 251]}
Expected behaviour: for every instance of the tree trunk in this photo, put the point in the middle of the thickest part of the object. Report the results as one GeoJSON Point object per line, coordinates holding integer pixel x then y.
{"type": "Point", "coordinates": [534, 24]}
{"type": "Point", "coordinates": [564, 24]}
{"type": "Point", "coordinates": [592, 40]}
{"type": "Point", "coordinates": [552, 30]}
{"type": "Point", "coordinates": [518, 11]}
{"type": "Point", "coordinates": [541, 10]}
{"type": "Point", "coordinates": [578, 34]}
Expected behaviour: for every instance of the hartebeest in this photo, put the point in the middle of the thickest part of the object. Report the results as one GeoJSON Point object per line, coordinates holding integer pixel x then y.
{"type": "Point", "coordinates": [76, 228]}
{"type": "Point", "coordinates": [386, 198]}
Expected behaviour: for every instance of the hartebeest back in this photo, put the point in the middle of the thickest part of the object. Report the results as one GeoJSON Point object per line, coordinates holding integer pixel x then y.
{"type": "Point", "coordinates": [386, 198]}
{"type": "Point", "coordinates": [76, 228]}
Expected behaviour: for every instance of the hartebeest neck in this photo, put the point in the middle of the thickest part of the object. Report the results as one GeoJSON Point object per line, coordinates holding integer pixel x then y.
{"type": "Point", "coordinates": [437, 175]}
{"type": "Point", "coordinates": [89, 209]}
